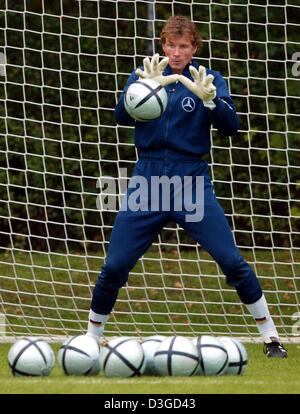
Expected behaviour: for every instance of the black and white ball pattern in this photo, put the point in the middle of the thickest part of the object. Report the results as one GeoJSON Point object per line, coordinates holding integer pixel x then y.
{"type": "Point", "coordinates": [150, 345]}
{"type": "Point", "coordinates": [80, 355]}
{"type": "Point", "coordinates": [237, 356]}
{"type": "Point", "coordinates": [145, 100]}
{"type": "Point", "coordinates": [31, 357]}
{"type": "Point", "coordinates": [122, 357]}
{"type": "Point", "coordinates": [213, 357]}
{"type": "Point", "coordinates": [176, 356]}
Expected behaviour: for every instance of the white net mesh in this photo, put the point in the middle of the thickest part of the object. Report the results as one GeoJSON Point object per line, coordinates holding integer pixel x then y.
{"type": "Point", "coordinates": [62, 65]}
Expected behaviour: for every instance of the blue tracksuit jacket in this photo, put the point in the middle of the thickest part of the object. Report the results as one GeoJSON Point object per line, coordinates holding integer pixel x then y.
{"type": "Point", "coordinates": [173, 145]}
{"type": "Point", "coordinates": [186, 123]}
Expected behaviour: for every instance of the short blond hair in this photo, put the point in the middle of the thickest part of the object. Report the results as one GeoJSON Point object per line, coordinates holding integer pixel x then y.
{"type": "Point", "coordinates": [180, 26]}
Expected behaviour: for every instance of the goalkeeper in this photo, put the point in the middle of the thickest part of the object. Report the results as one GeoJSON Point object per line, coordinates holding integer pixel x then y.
{"type": "Point", "coordinates": [174, 145]}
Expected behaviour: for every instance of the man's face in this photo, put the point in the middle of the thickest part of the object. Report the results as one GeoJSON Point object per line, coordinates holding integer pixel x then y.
{"type": "Point", "coordinates": [180, 51]}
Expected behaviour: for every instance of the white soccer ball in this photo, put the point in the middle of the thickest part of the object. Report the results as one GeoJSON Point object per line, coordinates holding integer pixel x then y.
{"type": "Point", "coordinates": [122, 357]}
{"type": "Point", "coordinates": [213, 357]}
{"type": "Point", "coordinates": [176, 355]}
{"type": "Point", "coordinates": [150, 345]}
{"type": "Point", "coordinates": [145, 100]}
{"type": "Point", "coordinates": [31, 356]}
{"type": "Point", "coordinates": [80, 355]}
{"type": "Point", "coordinates": [237, 355]}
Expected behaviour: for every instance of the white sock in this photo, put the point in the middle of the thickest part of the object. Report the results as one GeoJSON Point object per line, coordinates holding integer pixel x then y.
{"type": "Point", "coordinates": [264, 322]}
{"type": "Point", "coordinates": [96, 324]}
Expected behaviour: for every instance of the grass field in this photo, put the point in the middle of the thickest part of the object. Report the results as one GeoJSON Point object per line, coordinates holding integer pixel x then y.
{"type": "Point", "coordinates": [262, 376]}
{"type": "Point", "coordinates": [56, 290]}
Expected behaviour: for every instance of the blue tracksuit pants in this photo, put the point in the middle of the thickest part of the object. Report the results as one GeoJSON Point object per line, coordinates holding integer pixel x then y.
{"type": "Point", "coordinates": [134, 232]}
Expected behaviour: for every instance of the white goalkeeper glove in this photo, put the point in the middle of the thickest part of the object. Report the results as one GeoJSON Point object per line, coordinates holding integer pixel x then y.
{"type": "Point", "coordinates": [202, 86]}
{"type": "Point", "coordinates": [154, 70]}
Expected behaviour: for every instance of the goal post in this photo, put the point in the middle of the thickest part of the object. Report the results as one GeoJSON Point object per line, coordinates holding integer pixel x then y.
{"type": "Point", "coordinates": [62, 67]}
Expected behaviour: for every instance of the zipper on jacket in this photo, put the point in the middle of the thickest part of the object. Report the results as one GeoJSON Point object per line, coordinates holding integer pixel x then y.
{"type": "Point", "coordinates": [171, 92]}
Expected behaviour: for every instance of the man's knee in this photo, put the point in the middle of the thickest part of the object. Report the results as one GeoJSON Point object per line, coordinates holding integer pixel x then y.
{"type": "Point", "coordinates": [240, 275]}
{"type": "Point", "coordinates": [115, 273]}
{"type": "Point", "coordinates": [235, 268]}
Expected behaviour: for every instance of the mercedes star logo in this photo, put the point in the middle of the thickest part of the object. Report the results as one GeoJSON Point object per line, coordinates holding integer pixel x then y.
{"type": "Point", "coordinates": [188, 104]}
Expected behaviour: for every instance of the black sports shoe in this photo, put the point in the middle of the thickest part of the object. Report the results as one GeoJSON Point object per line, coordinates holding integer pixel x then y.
{"type": "Point", "coordinates": [274, 349]}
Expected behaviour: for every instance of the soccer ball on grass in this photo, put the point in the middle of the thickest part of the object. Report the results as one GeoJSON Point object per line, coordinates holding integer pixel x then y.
{"type": "Point", "coordinates": [213, 357]}
{"type": "Point", "coordinates": [80, 355]}
{"type": "Point", "coordinates": [237, 356]}
{"type": "Point", "coordinates": [176, 356]}
{"type": "Point", "coordinates": [150, 345]}
{"type": "Point", "coordinates": [31, 357]}
{"type": "Point", "coordinates": [122, 357]}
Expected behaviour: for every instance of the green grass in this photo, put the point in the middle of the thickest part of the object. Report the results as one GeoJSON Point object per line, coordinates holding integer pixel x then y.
{"type": "Point", "coordinates": [50, 294]}
{"type": "Point", "coordinates": [262, 376]}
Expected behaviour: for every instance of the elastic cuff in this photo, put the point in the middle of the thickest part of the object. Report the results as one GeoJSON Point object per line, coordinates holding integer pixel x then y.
{"type": "Point", "coordinates": [210, 104]}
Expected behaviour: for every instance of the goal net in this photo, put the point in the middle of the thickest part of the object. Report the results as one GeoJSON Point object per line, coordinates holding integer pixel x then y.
{"type": "Point", "coordinates": [63, 64]}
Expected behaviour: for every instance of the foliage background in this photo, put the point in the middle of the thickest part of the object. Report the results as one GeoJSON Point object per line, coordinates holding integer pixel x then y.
{"type": "Point", "coordinates": [66, 63]}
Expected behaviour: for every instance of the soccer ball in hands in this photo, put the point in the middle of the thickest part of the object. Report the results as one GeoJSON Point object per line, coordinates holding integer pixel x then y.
{"type": "Point", "coordinates": [145, 100]}
{"type": "Point", "coordinates": [31, 357]}
{"type": "Point", "coordinates": [80, 355]}
{"type": "Point", "coordinates": [122, 357]}
{"type": "Point", "coordinates": [176, 355]}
